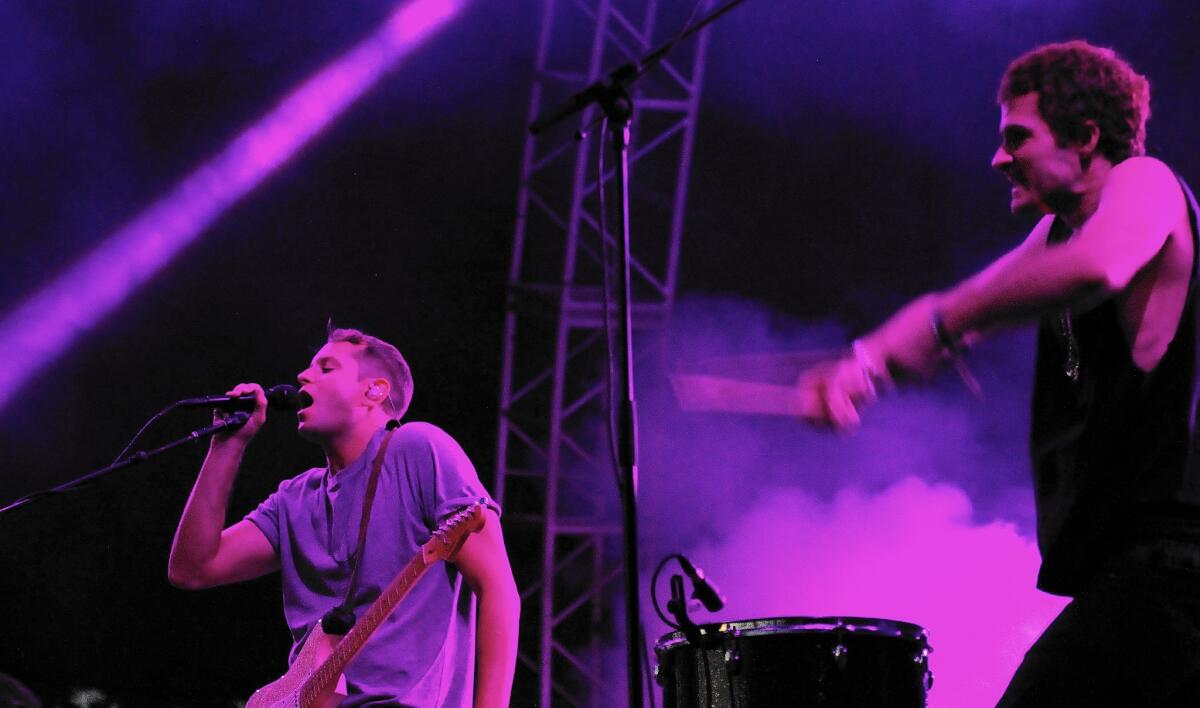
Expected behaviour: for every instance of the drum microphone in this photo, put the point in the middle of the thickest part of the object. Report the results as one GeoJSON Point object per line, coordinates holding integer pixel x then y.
{"type": "Point", "coordinates": [283, 397]}
{"type": "Point", "coordinates": [703, 589]}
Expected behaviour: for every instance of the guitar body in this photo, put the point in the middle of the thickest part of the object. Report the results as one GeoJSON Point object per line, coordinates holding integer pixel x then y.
{"type": "Point", "coordinates": [285, 691]}
{"type": "Point", "coordinates": [309, 681]}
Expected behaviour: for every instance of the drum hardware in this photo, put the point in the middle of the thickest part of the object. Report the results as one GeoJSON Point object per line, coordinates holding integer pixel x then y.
{"type": "Point", "coordinates": [677, 606]}
{"type": "Point", "coordinates": [922, 658]}
{"type": "Point", "coordinates": [838, 662]}
{"type": "Point", "coordinates": [704, 592]}
{"type": "Point", "coordinates": [839, 655]}
{"type": "Point", "coordinates": [733, 662]}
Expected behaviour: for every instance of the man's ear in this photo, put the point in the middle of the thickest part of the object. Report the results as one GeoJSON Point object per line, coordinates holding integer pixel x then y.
{"type": "Point", "coordinates": [378, 390]}
{"type": "Point", "coordinates": [1088, 139]}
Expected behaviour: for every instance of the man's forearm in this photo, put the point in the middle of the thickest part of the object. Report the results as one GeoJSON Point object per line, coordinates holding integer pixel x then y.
{"type": "Point", "coordinates": [199, 534]}
{"type": "Point", "coordinates": [499, 614]}
{"type": "Point", "coordinates": [1017, 290]}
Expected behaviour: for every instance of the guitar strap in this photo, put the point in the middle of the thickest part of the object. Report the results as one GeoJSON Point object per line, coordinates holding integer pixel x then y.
{"type": "Point", "coordinates": [340, 619]}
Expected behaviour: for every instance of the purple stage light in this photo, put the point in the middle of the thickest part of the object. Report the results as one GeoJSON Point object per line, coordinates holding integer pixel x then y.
{"type": "Point", "coordinates": [36, 332]}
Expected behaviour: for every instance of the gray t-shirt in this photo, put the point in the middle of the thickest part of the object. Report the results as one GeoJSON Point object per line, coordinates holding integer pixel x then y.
{"type": "Point", "coordinates": [424, 654]}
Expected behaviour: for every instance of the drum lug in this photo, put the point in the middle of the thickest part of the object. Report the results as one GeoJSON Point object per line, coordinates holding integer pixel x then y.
{"type": "Point", "coordinates": [658, 674]}
{"type": "Point", "coordinates": [921, 658]}
{"type": "Point", "coordinates": [839, 655]}
{"type": "Point", "coordinates": [733, 662]}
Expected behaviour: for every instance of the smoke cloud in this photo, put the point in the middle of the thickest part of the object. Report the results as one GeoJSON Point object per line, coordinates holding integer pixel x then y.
{"type": "Point", "coordinates": [923, 516]}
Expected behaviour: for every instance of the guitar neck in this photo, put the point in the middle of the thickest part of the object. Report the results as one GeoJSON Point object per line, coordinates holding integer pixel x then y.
{"type": "Point", "coordinates": [366, 625]}
{"type": "Point", "coordinates": [445, 544]}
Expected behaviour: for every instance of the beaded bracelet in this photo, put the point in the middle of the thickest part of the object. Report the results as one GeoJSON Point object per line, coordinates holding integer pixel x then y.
{"type": "Point", "coordinates": [871, 372]}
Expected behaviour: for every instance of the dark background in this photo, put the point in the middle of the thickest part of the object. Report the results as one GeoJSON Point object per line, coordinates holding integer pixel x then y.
{"type": "Point", "coordinates": [840, 167]}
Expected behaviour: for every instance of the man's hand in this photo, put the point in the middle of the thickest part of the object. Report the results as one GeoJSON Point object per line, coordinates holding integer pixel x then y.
{"type": "Point", "coordinates": [833, 392]}
{"type": "Point", "coordinates": [905, 345]}
{"type": "Point", "coordinates": [246, 433]}
{"type": "Point", "coordinates": [204, 555]}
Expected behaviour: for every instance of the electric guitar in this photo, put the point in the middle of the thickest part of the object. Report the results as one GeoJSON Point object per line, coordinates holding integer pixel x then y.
{"type": "Point", "coordinates": [315, 678]}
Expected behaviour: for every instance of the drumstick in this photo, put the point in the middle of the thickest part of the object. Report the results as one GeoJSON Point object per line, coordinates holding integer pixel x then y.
{"type": "Point", "coordinates": [763, 384]}
{"type": "Point", "coordinates": [777, 368]}
{"type": "Point", "coordinates": [715, 394]}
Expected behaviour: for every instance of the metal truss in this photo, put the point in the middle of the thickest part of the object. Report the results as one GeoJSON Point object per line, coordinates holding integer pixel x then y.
{"type": "Point", "coordinates": [554, 473]}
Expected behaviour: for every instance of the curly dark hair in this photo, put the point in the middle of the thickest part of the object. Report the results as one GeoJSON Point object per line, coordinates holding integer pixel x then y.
{"type": "Point", "coordinates": [1077, 82]}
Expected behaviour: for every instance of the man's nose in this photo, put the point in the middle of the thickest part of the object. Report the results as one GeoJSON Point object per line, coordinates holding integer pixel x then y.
{"type": "Point", "coordinates": [1001, 159]}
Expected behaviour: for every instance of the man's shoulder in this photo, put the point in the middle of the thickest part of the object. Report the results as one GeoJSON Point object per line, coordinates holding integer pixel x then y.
{"type": "Point", "coordinates": [1143, 172]}
{"type": "Point", "coordinates": [422, 434]}
{"type": "Point", "coordinates": [420, 442]}
{"type": "Point", "coordinates": [1142, 189]}
{"type": "Point", "coordinates": [1142, 162]}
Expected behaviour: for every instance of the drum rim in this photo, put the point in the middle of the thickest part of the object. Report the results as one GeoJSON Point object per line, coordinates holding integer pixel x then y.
{"type": "Point", "coordinates": [873, 626]}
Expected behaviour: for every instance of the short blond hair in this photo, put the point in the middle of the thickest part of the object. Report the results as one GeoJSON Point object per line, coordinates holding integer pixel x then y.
{"type": "Point", "coordinates": [379, 358]}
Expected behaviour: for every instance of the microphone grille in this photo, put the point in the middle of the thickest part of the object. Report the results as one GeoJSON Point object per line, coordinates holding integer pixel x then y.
{"type": "Point", "coordinates": [283, 396]}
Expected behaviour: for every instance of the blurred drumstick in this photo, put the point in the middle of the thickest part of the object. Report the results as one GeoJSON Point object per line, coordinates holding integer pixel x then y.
{"type": "Point", "coordinates": [776, 368]}
{"type": "Point", "coordinates": [714, 394]}
{"type": "Point", "coordinates": [763, 384]}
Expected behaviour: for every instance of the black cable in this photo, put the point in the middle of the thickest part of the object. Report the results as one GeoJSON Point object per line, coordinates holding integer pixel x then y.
{"type": "Point", "coordinates": [138, 434]}
{"type": "Point", "coordinates": [687, 26]}
{"type": "Point", "coordinates": [606, 303]}
{"type": "Point", "coordinates": [654, 591]}
{"type": "Point", "coordinates": [646, 666]}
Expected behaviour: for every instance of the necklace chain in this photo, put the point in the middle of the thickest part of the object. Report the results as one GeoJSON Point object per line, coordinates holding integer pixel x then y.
{"type": "Point", "coordinates": [1066, 331]}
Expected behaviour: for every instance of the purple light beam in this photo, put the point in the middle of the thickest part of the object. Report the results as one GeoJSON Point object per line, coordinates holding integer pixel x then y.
{"type": "Point", "coordinates": [36, 332]}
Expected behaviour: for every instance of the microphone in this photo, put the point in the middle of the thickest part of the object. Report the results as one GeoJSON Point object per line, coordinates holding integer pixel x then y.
{"type": "Point", "coordinates": [283, 397]}
{"type": "Point", "coordinates": [703, 589]}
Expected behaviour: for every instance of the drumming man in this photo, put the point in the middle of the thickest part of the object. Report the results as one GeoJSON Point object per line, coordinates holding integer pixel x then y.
{"type": "Point", "coordinates": [1109, 272]}
{"type": "Point", "coordinates": [439, 647]}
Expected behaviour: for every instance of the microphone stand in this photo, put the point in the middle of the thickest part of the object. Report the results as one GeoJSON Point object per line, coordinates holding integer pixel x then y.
{"type": "Point", "coordinates": [233, 422]}
{"type": "Point", "coordinates": [677, 606]}
{"type": "Point", "coordinates": [613, 97]}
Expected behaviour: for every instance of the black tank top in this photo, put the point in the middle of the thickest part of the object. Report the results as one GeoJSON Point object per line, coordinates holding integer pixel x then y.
{"type": "Point", "coordinates": [1112, 445]}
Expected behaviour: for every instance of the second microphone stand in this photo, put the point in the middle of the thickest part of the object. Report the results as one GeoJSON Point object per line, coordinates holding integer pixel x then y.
{"type": "Point", "coordinates": [613, 98]}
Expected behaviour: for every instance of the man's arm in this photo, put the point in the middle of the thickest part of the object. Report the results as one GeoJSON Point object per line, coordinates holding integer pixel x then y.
{"type": "Point", "coordinates": [204, 555]}
{"type": "Point", "coordinates": [483, 561]}
{"type": "Point", "coordinates": [1140, 205]}
{"type": "Point", "coordinates": [830, 393]}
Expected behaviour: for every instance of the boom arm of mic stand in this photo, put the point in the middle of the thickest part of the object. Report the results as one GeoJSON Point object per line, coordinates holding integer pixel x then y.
{"type": "Point", "coordinates": [621, 78]}
{"type": "Point", "coordinates": [233, 422]}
